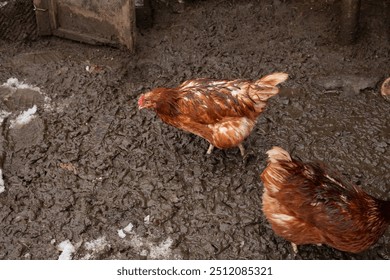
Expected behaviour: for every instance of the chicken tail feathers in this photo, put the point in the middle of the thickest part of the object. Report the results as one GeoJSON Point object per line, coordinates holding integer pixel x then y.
{"type": "Point", "coordinates": [265, 88]}
{"type": "Point", "coordinates": [272, 79]}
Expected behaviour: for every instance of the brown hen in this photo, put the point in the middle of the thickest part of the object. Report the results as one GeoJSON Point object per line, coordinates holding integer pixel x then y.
{"type": "Point", "coordinates": [306, 203]}
{"type": "Point", "coordinates": [220, 111]}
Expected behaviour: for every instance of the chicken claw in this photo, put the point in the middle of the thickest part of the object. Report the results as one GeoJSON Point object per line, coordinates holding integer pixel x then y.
{"type": "Point", "coordinates": [294, 247]}
{"type": "Point", "coordinates": [242, 149]}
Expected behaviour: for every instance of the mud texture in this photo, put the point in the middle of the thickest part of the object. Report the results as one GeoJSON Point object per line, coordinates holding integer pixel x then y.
{"type": "Point", "coordinates": [17, 20]}
{"type": "Point", "coordinates": [120, 184]}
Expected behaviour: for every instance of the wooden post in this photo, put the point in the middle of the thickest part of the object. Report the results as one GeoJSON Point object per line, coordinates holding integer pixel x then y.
{"type": "Point", "coordinates": [41, 8]}
{"type": "Point", "coordinates": [349, 24]}
{"type": "Point", "coordinates": [90, 21]}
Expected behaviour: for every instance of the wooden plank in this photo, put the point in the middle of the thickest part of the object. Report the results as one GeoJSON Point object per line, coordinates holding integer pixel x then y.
{"type": "Point", "coordinates": [90, 21]}
{"type": "Point", "coordinates": [41, 8]}
{"type": "Point", "coordinates": [349, 19]}
{"type": "Point", "coordinates": [53, 14]}
{"type": "Point", "coordinates": [89, 39]}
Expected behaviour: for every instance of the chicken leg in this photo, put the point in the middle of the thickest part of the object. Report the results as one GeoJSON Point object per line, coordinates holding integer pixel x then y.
{"type": "Point", "coordinates": [240, 146]}
{"type": "Point", "coordinates": [242, 149]}
{"type": "Point", "coordinates": [294, 247]}
{"type": "Point", "coordinates": [210, 149]}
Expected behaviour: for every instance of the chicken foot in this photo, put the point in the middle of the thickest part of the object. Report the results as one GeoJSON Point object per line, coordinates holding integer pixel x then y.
{"type": "Point", "coordinates": [294, 247]}
{"type": "Point", "coordinates": [240, 146]}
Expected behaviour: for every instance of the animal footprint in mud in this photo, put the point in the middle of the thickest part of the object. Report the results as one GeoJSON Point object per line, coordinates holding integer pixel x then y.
{"type": "Point", "coordinates": [19, 96]}
{"type": "Point", "coordinates": [22, 105]}
{"type": "Point", "coordinates": [307, 203]}
{"type": "Point", "coordinates": [222, 112]}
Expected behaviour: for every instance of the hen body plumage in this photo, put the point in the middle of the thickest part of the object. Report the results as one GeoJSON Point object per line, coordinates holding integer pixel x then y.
{"type": "Point", "coordinates": [222, 112]}
{"type": "Point", "coordinates": [306, 203]}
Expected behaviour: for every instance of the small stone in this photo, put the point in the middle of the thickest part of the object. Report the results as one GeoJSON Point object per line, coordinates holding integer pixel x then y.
{"type": "Point", "coordinates": [385, 89]}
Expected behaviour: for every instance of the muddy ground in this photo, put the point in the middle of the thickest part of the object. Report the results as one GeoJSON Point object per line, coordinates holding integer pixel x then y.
{"type": "Point", "coordinates": [89, 164]}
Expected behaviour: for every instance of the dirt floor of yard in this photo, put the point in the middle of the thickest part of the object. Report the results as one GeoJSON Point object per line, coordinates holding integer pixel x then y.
{"type": "Point", "coordinates": [118, 183]}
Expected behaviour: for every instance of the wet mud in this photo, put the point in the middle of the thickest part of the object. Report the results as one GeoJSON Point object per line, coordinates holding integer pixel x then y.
{"type": "Point", "coordinates": [117, 183]}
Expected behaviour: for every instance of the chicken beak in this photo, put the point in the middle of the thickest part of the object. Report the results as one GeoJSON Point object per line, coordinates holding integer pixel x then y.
{"type": "Point", "coordinates": [141, 102]}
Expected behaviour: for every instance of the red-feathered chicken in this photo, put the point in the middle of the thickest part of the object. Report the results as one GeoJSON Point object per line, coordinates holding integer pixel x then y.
{"type": "Point", "coordinates": [306, 203]}
{"type": "Point", "coordinates": [222, 112]}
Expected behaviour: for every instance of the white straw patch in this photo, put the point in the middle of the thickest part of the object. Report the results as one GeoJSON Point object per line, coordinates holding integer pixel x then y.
{"type": "Point", "coordinates": [24, 118]}
{"type": "Point", "coordinates": [97, 245]}
{"type": "Point", "coordinates": [2, 185]}
{"type": "Point", "coordinates": [147, 220]}
{"type": "Point", "coordinates": [67, 250]}
{"type": "Point", "coordinates": [124, 231]}
{"type": "Point", "coordinates": [161, 251]}
{"type": "Point", "coordinates": [121, 233]}
{"type": "Point", "coordinates": [14, 83]}
{"type": "Point", "coordinates": [128, 228]}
